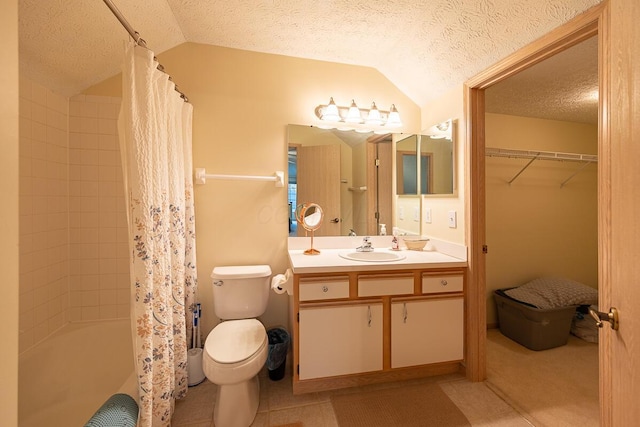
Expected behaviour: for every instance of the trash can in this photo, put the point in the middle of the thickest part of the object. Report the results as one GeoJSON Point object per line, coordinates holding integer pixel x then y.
{"type": "Point", "coordinates": [277, 356]}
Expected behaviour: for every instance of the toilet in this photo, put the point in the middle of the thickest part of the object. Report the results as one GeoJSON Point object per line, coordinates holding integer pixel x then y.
{"type": "Point", "coordinates": [236, 349]}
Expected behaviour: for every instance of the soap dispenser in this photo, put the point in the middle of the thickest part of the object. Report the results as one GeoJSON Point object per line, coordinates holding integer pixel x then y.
{"type": "Point", "coordinates": [383, 229]}
{"type": "Point", "coordinates": [394, 243]}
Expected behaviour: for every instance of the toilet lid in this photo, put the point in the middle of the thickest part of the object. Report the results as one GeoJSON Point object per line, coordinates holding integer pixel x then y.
{"type": "Point", "coordinates": [235, 340]}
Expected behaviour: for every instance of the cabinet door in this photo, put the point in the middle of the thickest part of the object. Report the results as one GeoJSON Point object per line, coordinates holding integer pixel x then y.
{"type": "Point", "coordinates": [426, 331]}
{"type": "Point", "coordinates": [339, 340]}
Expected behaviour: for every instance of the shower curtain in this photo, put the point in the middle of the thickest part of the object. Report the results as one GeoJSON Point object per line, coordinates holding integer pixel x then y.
{"type": "Point", "coordinates": [155, 142]}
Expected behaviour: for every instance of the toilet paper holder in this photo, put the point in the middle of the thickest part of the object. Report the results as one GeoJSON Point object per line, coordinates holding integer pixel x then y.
{"type": "Point", "coordinates": [281, 283]}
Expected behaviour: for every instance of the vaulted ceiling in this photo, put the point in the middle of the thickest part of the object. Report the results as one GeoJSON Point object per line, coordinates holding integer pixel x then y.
{"type": "Point", "coordinates": [424, 47]}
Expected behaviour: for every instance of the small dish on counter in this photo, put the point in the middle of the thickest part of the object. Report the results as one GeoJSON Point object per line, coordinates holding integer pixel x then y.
{"type": "Point", "coordinates": [415, 243]}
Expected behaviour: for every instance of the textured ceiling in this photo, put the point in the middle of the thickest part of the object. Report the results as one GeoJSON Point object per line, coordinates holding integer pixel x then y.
{"type": "Point", "coordinates": [563, 87]}
{"type": "Point", "coordinates": [424, 47]}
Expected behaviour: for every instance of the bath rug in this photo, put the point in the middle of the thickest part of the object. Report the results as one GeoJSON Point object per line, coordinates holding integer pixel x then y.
{"type": "Point", "coordinates": [119, 410]}
{"type": "Point", "coordinates": [420, 405]}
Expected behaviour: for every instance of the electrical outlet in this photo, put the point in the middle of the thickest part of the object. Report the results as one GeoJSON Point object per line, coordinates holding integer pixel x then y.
{"type": "Point", "coordinates": [416, 214]}
{"type": "Point", "coordinates": [453, 222]}
{"type": "Point", "coordinates": [427, 215]}
{"type": "Point", "coordinates": [401, 212]}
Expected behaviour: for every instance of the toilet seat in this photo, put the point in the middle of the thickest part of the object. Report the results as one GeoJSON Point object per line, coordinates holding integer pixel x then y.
{"type": "Point", "coordinates": [234, 341]}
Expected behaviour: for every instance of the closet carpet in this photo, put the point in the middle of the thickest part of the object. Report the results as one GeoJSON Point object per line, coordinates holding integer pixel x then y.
{"type": "Point", "coordinates": [555, 387]}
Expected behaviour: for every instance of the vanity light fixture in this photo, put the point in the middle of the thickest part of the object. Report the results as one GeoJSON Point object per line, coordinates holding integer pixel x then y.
{"type": "Point", "coordinates": [374, 118]}
{"type": "Point", "coordinates": [353, 115]}
{"type": "Point", "coordinates": [358, 119]}
{"type": "Point", "coordinates": [441, 130]}
{"type": "Point", "coordinates": [330, 112]}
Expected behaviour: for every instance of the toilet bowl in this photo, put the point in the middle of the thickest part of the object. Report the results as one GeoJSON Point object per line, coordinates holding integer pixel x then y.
{"type": "Point", "coordinates": [236, 349]}
{"type": "Point", "coordinates": [235, 352]}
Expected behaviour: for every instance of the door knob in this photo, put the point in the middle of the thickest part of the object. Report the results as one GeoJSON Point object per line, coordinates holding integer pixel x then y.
{"type": "Point", "coordinates": [335, 220]}
{"type": "Point", "coordinates": [611, 317]}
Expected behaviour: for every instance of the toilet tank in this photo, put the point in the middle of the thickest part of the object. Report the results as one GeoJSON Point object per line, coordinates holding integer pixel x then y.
{"type": "Point", "coordinates": [241, 291]}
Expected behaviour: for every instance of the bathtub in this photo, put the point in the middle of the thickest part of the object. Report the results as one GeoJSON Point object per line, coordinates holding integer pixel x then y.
{"type": "Point", "coordinates": [67, 377]}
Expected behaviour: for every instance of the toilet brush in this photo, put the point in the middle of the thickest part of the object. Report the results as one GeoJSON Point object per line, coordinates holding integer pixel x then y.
{"type": "Point", "coordinates": [198, 338]}
{"type": "Point", "coordinates": [194, 323]}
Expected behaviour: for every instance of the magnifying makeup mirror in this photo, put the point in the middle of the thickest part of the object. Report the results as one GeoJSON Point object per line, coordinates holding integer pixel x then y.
{"type": "Point", "coordinates": [310, 215]}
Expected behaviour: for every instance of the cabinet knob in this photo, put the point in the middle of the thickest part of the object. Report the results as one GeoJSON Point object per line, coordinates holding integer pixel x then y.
{"type": "Point", "coordinates": [443, 282]}
{"type": "Point", "coordinates": [325, 289]}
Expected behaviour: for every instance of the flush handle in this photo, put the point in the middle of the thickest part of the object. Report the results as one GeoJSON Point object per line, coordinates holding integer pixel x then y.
{"type": "Point", "coordinates": [218, 282]}
{"type": "Point", "coordinates": [611, 317]}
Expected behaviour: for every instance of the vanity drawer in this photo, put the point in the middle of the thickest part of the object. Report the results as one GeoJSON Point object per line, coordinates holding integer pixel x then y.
{"type": "Point", "coordinates": [378, 285]}
{"type": "Point", "coordinates": [442, 283]}
{"type": "Point", "coordinates": [312, 289]}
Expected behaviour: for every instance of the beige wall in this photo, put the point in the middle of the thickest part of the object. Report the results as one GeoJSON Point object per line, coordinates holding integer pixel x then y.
{"type": "Point", "coordinates": [535, 227]}
{"type": "Point", "coordinates": [9, 213]}
{"type": "Point", "coordinates": [44, 263]}
{"type": "Point", "coordinates": [243, 102]}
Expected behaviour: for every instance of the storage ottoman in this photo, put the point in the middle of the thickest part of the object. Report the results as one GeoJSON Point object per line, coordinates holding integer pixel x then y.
{"type": "Point", "coordinates": [532, 327]}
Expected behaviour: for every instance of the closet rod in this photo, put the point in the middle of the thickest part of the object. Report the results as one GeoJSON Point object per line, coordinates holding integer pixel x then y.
{"type": "Point", "coordinates": [201, 177]}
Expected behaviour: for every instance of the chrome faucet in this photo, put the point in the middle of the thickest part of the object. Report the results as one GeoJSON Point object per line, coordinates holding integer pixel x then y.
{"type": "Point", "coordinates": [366, 245]}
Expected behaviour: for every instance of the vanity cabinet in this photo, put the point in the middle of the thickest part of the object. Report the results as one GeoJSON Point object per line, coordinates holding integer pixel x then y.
{"type": "Point", "coordinates": [363, 327]}
{"type": "Point", "coordinates": [426, 331]}
{"type": "Point", "coordinates": [339, 340]}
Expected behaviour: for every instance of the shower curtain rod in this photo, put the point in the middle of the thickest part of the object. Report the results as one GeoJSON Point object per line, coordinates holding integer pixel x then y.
{"type": "Point", "coordinates": [139, 40]}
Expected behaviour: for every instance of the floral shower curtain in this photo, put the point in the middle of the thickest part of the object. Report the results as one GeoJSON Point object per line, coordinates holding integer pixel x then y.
{"type": "Point", "coordinates": [155, 142]}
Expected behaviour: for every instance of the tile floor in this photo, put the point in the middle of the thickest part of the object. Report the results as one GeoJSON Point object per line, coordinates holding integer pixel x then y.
{"type": "Point", "coordinates": [278, 404]}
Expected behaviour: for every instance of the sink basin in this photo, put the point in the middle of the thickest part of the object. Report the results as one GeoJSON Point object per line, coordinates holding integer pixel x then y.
{"type": "Point", "coordinates": [372, 256]}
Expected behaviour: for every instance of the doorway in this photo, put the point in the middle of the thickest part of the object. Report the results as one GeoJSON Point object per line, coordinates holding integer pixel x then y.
{"type": "Point", "coordinates": [576, 31]}
{"type": "Point", "coordinates": [541, 136]}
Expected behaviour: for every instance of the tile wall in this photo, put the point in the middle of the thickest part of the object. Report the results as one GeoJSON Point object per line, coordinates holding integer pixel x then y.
{"type": "Point", "coordinates": [98, 251]}
{"type": "Point", "coordinates": [44, 263]}
{"type": "Point", "coordinates": [73, 250]}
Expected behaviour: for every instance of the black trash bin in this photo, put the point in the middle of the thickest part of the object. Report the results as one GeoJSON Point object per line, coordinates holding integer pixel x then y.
{"type": "Point", "coordinates": [277, 357]}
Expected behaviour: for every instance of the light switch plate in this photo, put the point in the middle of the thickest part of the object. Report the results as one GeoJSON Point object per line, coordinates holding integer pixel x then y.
{"type": "Point", "coordinates": [416, 214]}
{"type": "Point", "coordinates": [427, 215]}
{"type": "Point", "coordinates": [453, 222]}
{"type": "Point", "coordinates": [401, 212]}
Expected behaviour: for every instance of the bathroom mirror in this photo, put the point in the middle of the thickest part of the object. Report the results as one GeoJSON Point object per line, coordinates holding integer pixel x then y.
{"type": "Point", "coordinates": [432, 172]}
{"type": "Point", "coordinates": [337, 169]}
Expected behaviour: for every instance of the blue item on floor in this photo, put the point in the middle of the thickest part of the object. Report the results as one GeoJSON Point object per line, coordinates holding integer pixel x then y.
{"type": "Point", "coordinates": [120, 410]}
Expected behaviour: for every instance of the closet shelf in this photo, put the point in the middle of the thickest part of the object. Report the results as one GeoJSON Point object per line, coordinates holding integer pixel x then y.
{"type": "Point", "coordinates": [540, 155]}
{"type": "Point", "coordinates": [587, 159]}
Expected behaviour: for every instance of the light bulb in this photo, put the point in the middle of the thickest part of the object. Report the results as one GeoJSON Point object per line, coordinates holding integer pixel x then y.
{"type": "Point", "coordinates": [374, 119]}
{"type": "Point", "coordinates": [330, 112]}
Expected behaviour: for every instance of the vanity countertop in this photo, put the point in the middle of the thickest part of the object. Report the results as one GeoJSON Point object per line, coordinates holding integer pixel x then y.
{"type": "Point", "coordinates": [329, 259]}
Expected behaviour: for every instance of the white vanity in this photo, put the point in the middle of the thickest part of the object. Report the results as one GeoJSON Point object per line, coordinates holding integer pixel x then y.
{"type": "Point", "coordinates": [360, 322]}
